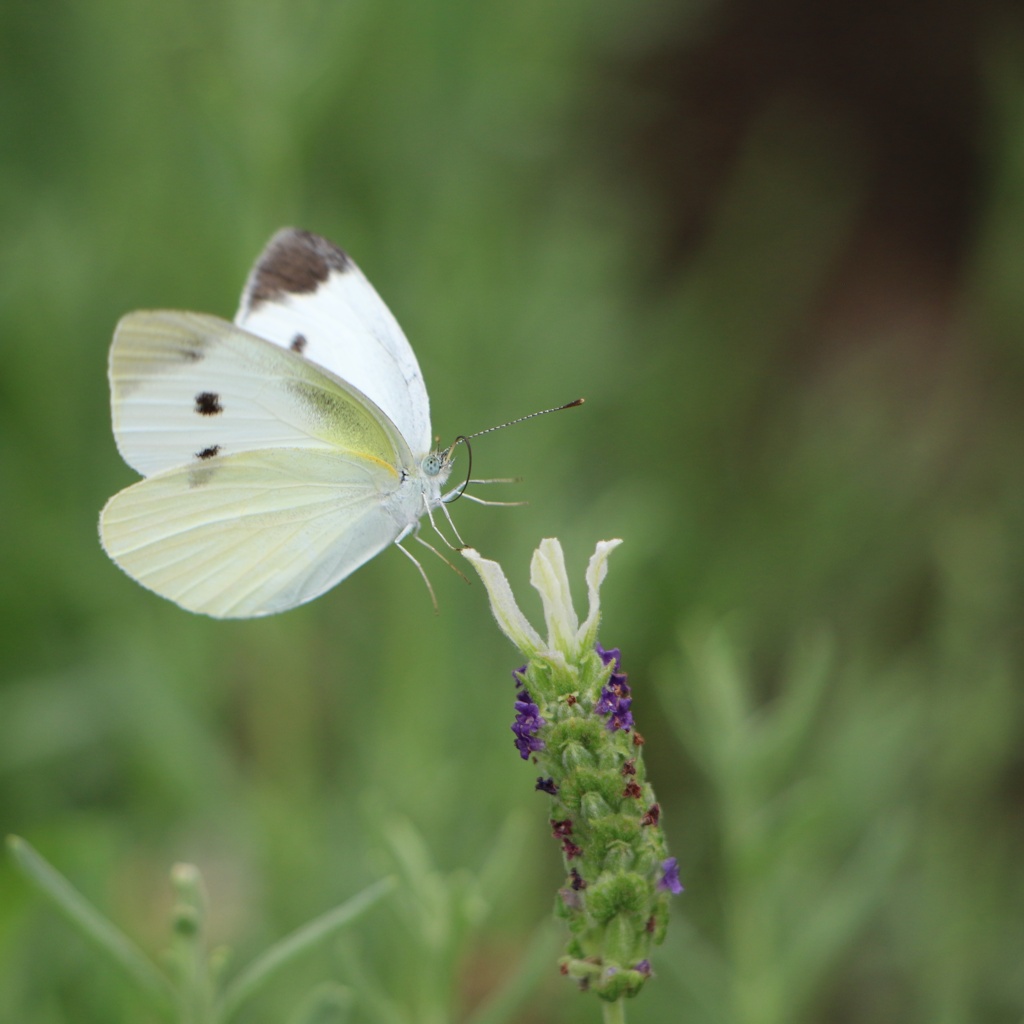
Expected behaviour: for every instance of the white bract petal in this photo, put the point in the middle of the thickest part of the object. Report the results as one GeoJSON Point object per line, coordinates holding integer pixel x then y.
{"type": "Point", "coordinates": [596, 572]}
{"type": "Point", "coordinates": [512, 621]}
{"type": "Point", "coordinates": [549, 578]}
{"type": "Point", "coordinates": [567, 639]}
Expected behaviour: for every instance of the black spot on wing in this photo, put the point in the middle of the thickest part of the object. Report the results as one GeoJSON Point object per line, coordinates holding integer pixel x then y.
{"type": "Point", "coordinates": [208, 453]}
{"type": "Point", "coordinates": [208, 403]}
{"type": "Point", "coordinates": [191, 355]}
{"type": "Point", "coordinates": [293, 263]}
{"type": "Point", "coordinates": [299, 344]}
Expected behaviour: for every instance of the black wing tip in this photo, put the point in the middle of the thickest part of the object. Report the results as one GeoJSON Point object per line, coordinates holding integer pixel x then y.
{"type": "Point", "coordinates": [294, 262]}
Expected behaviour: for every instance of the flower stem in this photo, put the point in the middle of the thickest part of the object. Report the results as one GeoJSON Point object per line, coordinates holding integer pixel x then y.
{"type": "Point", "coordinates": [615, 1013]}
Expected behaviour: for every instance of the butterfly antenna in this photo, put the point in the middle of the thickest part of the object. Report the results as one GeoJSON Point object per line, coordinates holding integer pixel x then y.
{"type": "Point", "coordinates": [520, 419]}
{"type": "Point", "coordinates": [464, 439]}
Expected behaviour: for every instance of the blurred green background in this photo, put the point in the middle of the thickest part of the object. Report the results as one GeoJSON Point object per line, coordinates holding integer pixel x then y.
{"type": "Point", "coordinates": [779, 247]}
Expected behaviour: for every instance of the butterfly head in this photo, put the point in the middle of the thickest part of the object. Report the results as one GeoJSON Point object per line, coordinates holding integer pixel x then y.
{"type": "Point", "coordinates": [439, 462]}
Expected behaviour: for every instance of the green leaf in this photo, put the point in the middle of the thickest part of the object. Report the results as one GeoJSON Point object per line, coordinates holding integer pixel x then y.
{"type": "Point", "coordinates": [93, 925]}
{"type": "Point", "coordinates": [261, 970]}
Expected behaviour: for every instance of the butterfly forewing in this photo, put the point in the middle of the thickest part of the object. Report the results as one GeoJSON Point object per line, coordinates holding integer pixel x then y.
{"type": "Point", "coordinates": [250, 534]}
{"type": "Point", "coordinates": [188, 387]}
{"type": "Point", "coordinates": [307, 295]}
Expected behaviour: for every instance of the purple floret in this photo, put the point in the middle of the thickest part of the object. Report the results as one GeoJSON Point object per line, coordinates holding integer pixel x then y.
{"type": "Point", "coordinates": [609, 656]}
{"type": "Point", "coordinates": [527, 724]}
{"type": "Point", "coordinates": [621, 718]}
{"type": "Point", "coordinates": [669, 881]}
{"type": "Point", "coordinates": [617, 705]}
{"type": "Point", "coordinates": [615, 697]}
{"type": "Point", "coordinates": [618, 683]}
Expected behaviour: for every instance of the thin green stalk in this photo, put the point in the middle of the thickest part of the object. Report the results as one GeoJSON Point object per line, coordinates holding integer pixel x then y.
{"type": "Point", "coordinates": [615, 1013]}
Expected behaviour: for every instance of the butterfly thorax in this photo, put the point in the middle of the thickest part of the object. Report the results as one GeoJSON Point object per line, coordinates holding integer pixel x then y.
{"type": "Point", "coordinates": [419, 491]}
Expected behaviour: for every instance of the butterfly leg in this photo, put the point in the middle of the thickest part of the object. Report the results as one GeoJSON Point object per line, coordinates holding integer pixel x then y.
{"type": "Point", "coordinates": [430, 547]}
{"type": "Point", "coordinates": [423, 572]}
{"type": "Point", "coordinates": [484, 501]}
{"type": "Point", "coordinates": [460, 491]}
{"type": "Point", "coordinates": [448, 516]}
{"type": "Point", "coordinates": [451, 523]}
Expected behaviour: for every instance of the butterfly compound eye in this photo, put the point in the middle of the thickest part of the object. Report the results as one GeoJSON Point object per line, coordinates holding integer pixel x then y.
{"type": "Point", "coordinates": [433, 463]}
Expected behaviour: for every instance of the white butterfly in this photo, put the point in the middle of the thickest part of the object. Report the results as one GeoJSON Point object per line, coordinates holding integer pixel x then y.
{"type": "Point", "coordinates": [280, 452]}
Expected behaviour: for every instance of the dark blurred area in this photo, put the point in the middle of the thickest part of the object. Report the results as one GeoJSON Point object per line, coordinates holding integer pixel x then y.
{"type": "Point", "coordinates": [906, 81]}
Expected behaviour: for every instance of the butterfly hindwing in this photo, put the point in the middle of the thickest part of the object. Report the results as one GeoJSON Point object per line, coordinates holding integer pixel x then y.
{"type": "Point", "coordinates": [188, 387]}
{"type": "Point", "coordinates": [307, 295]}
{"type": "Point", "coordinates": [250, 534]}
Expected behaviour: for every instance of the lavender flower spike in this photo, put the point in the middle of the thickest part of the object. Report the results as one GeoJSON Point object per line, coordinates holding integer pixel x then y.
{"type": "Point", "coordinates": [574, 724]}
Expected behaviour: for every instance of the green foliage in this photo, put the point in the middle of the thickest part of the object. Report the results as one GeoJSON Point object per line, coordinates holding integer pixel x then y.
{"type": "Point", "coordinates": [818, 598]}
{"type": "Point", "coordinates": [191, 991]}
